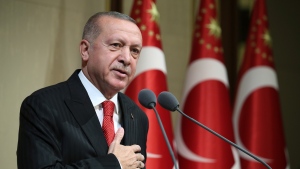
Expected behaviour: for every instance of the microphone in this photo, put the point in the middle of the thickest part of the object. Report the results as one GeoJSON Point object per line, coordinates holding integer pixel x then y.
{"type": "Point", "coordinates": [148, 99]}
{"type": "Point", "coordinates": [168, 101]}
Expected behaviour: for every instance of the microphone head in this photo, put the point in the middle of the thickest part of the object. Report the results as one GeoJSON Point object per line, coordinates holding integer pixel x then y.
{"type": "Point", "coordinates": [147, 98]}
{"type": "Point", "coordinates": [168, 101]}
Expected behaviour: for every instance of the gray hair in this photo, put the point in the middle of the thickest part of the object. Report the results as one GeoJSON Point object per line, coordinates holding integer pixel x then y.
{"type": "Point", "coordinates": [92, 30]}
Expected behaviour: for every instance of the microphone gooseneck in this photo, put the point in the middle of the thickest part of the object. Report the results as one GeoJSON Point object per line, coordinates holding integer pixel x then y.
{"type": "Point", "coordinates": [148, 99]}
{"type": "Point", "coordinates": [168, 101]}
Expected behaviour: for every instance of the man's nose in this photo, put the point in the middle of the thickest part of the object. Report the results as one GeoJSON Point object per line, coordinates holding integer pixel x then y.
{"type": "Point", "coordinates": [125, 55]}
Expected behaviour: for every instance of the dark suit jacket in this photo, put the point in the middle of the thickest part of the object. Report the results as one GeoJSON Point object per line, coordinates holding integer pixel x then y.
{"type": "Point", "coordinates": [59, 128]}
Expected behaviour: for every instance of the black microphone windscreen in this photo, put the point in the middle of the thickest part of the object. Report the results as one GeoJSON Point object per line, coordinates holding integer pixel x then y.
{"type": "Point", "coordinates": [147, 98]}
{"type": "Point", "coordinates": [168, 101]}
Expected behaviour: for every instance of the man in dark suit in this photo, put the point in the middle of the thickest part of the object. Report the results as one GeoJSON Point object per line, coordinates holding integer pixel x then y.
{"type": "Point", "coordinates": [61, 125]}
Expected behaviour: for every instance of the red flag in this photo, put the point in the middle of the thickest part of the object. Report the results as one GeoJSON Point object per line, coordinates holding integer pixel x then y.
{"type": "Point", "coordinates": [257, 117]}
{"type": "Point", "coordinates": [206, 99]}
{"type": "Point", "coordinates": [151, 74]}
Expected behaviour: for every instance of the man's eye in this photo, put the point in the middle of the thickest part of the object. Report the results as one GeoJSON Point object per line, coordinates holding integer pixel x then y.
{"type": "Point", "coordinates": [135, 52]}
{"type": "Point", "coordinates": [116, 45]}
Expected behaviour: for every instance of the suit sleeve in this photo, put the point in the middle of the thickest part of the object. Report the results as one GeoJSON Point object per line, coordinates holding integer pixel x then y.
{"type": "Point", "coordinates": [39, 146]}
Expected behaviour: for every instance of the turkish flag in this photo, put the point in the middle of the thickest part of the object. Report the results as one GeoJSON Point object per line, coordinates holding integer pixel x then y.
{"type": "Point", "coordinates": [257, 119]}
{"type": "Point", "coordinates": [151, 74]}
{"type": "Point", "coordinates": [206, 99]}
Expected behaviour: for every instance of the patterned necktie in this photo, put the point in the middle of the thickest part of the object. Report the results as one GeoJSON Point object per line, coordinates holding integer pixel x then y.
{"type": "Point", "coordinates": [108, 123]}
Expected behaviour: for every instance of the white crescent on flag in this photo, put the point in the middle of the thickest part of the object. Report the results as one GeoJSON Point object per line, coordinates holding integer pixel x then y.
{"type": "Point", "coordinates": [253, 79]}
{"type": "Point", "coordinates": [211, 69]}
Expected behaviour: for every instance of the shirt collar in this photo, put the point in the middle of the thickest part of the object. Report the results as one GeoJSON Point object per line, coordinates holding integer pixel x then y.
{"type": "Point", "coordinates": [94, 94]}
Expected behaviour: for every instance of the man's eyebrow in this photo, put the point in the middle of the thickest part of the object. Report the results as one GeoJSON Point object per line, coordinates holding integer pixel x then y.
{"type": "Point", "coordinates": [136, 45]}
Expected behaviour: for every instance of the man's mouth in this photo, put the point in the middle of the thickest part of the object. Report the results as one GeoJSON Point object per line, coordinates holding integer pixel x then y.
{"type": "Point", "coordinates": [121, 71]}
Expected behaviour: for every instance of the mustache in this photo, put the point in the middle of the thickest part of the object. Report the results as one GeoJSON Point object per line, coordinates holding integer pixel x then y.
{"type": "Point", "coordinates": [122, 68]}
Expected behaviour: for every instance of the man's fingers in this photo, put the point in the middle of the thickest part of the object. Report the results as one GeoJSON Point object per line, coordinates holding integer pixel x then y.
{"type": "Point", "coordinates": [136, 148]}
{"type": "Point", "coordinates": [119, 135]}
{"type": "Point", "coordinates": [140, 157]}
{"type": "Point", "coordinates": [139, 164]}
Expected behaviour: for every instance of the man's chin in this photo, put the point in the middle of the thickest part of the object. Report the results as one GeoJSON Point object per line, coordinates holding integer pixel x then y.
{"type": "Point", "coordinates": [120, 86]}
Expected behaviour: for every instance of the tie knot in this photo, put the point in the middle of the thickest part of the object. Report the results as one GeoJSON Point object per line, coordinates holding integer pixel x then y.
{"type": "Point", "coordinates": [108, 108]}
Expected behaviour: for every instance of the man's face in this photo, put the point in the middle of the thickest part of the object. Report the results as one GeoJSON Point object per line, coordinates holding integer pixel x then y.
{"type": "Point", "coordinates": [113, 55]}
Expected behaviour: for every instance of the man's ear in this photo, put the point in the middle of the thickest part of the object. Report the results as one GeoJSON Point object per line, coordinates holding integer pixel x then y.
{"type": "Point", "coordinates": [84, 49]}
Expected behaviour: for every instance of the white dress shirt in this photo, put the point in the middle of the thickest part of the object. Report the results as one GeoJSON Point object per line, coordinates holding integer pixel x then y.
{"type": "Point", "coordinates": [97, 98]}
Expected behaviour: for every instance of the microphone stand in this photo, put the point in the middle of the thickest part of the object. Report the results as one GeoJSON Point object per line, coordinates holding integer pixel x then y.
{"type": "Point", "coordinates": [223, 138]}
{"type": "Point", "coordinates": [165, 136]}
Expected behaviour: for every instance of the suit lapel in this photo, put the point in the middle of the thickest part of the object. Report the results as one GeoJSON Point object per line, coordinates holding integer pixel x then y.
{"type": "Point", "coordinates": [129, 122]}
{"type": "Point", "coordinates": [84, 112]}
